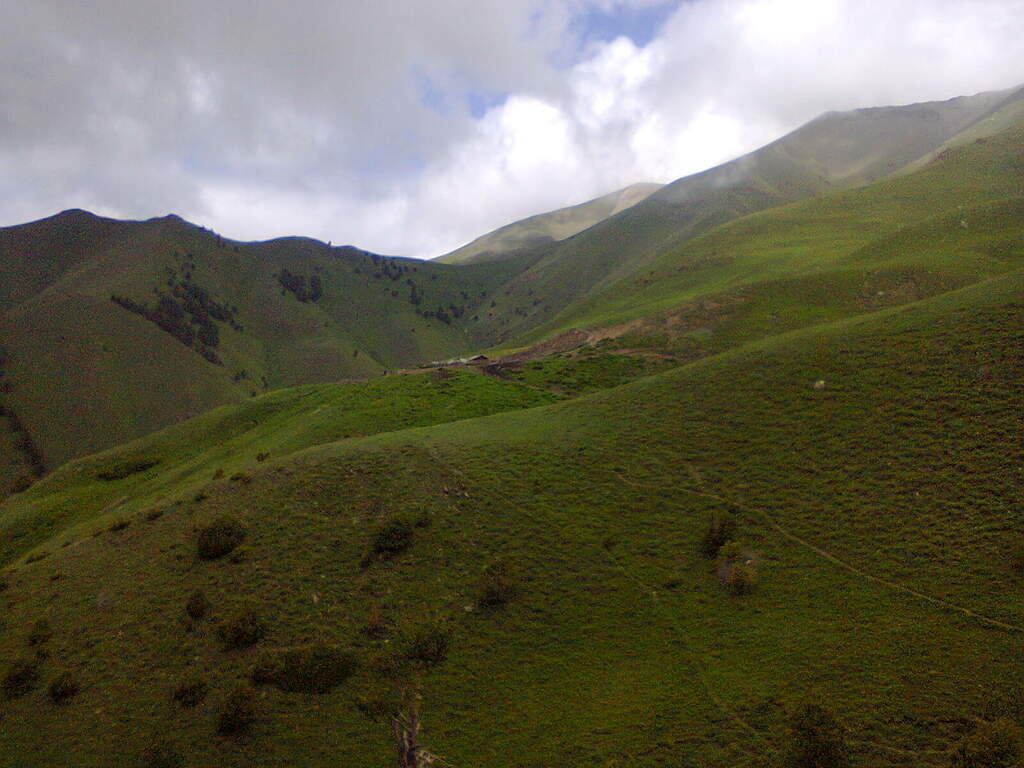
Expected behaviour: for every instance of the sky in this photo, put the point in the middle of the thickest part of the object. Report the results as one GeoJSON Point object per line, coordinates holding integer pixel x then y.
{"type": "Point", "coordinates": [410, 127]}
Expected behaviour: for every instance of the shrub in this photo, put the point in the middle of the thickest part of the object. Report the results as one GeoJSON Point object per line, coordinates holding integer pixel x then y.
{"type": "Point", "coordinates": [189, 692]}
{"type": "Point", "coordinates": [736, 569]}
{"type": "Point", "coordinates": [197, 605]}
{"type": "Point", "coordinates": [154, 514]}
{"type": "Point", "coordinates": [238, 712]}
{"type": "Point", "coordinates": [721, 530]}
{"type": "Point", "coordinates": [305, 669]}
{"type": "Point", "coordinates": [161, 755]}
{"type": "Point", "coordinates": [119, 525]}
{"type": "Point", "coordinates": [219, 537]}
{"type": "Point", "coordinates": [391, 538]}
{"type": "Point", "coordinates": [40, 633]}
{"type": "Point", "coordinates": [262, 455]}
{"type": "Point", "coordinates": [22, 483]}
{"type": "Point", "coordinates": [219, 473]}
{"type": "Point", "coordinates": [63, 688]}
{"type": "Point", "coordinates": [996, 744]}
{"type": "Point", "coordinates": [497, 587]}
{"type": "Point", "coordinates": [20, 678]}
{"type": "Point", "coordinates": [124, 469]}
{"type": "Point", "coordinates": [428, 644]}
{"type": "Point", "coordinates": [243, 630]}
{"type": "Point", "coordinates": [816, 739]}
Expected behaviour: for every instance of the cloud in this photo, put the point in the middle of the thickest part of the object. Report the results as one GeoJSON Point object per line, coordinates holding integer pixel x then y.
{"type": "Point", "coordinates": [411, 128]}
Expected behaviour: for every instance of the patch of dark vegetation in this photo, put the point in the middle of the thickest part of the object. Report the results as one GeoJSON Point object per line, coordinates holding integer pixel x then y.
{"type": "Point", "coordinates": [188, 315]}
{"type": "Point", "coordinates": [219, 537]}
{"type": "Point", "coordinates": [736, 569]}
{"type": "Point", "coordinates": [1017, 558]}
{"type": "Point", "coordinates": [161, 755]}
{"type": "Point", "coordinates": [240, 477]}
{"type": "Point", "coordinates": [243, 630]}
{"type": "Point", "coordinates": [721, 530]}
{"type": "Point", "coordinates": [154, 514]}
{"type": "Point", "coordinates": [189, 692]}
{"type": "Point", "coordinates": [303, 289]}
{"type": "Point", "coordinates": [996, 744]}
{"type": "Point", "coordinates": [119, 525]}
{"type": "Point", "coordinates": [305, 669]}
{"type": "Point", "coordinates": [391, 538]}
{"type": "Point", "coordinates": [197, 606]}
{"type": "Point", "coordinates": [816, 739]}
{"type": "Point", "coordinates": [30, 452]}
{"type": "Point", "coordinates": [124, 469]}
{"type": "Point", "coordinates": [20, 678]}
{"type": "Point", "coordinates": [427, 644]}
{"type": "Point", "coordinates": [238, 712]}
{"type": "Point", "coordinates": [262, 455]}
{"type": "Point", "coordinates": [63, 688]}
{"type": "Point", "coordinates": [497, 586]}
{"type": "Point", "coordinates": [40, 634]}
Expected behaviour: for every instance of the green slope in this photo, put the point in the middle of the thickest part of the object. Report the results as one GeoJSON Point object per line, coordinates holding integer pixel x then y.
{"type": "Point", "coordinates": [544, 228]}
{"type": "Point", "coordinates": [954, 221]}
{"type": "Point", "coordinates": [882, 508]}
{"type": "Point", "coordinates": [835, 151]}
{"type": "Point", "coordinates": [92, 373]}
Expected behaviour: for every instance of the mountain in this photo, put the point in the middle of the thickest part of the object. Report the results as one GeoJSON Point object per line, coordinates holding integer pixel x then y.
{"type": "Point", "coordinates": [545, 228]}
{"type": "Point", "coordinates": [111, 329]}
{"type": "Point", "coordinates": [833, 152]}
{"type": "Point", "coordinates": [138, 325]}
{"type": "Point", "coordinates": [759, 492]}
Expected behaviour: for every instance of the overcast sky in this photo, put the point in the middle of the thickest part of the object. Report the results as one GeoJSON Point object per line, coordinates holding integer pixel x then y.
{"type": "Point", "coordinates": [410, 127]}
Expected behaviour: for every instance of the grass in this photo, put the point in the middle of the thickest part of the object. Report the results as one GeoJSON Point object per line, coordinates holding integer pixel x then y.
{"type": "Point", "coordinates": [228, 441]}
{"type": "Point", "coordinates": [621, 645]}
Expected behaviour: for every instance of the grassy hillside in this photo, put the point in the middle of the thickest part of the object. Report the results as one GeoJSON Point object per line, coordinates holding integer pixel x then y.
{"type": "Point", "coordinates": [873, 468]}
{"type": "Point", "coordinates": [546, 228]}
{"type": "Point", "coordinates": [834, 152]}
{"type": "Point", "coordinates": [956, 220]}
{"type": "Point", "coordinates": [136, 325]}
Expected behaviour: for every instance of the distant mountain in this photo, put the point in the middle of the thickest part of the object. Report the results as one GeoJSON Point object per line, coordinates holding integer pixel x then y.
{"type": "Point", "coordinates": [548, 227]}
{"type": "Point", "coordinates": [835, 151]}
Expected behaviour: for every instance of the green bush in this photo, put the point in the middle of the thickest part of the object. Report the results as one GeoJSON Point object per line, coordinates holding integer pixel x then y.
{"type": "Point", "coordinates": [197, 606]}
{"type": "Point", "coordinates": [305, 669]}
{"type": "Point", "coordinates": [497, 587]}
{"type": "Point", "coordinates": [125, 469]}
{"type": "Point", "coordinates": [816, 739]}
{"type": "Point", "coordinates": [243, 630]}
{"type": "Point", "coordinates": [20, 678]}
{"type": "Point", "coordinates": [189, 692]}
{"type": "Point", "coordinates": [238, 712]}
{"type": "Point", "coordinates": [736, 569]}
{"type": "Point", "coordinates": [63, 688]}
{"type": "Point", "coordinates": [428, 644]}
{"type": "Point", "coordinates": [391, 538]}
{"type": "Point", "coordinates": [161, 755]}
{"type": "Point", "coordinates": [721, 530]}
{"type": "Point", "coordinates": [996, 744]}
{"type": "Point", "coordinates": [218, 537]}
{"type": "Point", "coordinates": [40, 633]}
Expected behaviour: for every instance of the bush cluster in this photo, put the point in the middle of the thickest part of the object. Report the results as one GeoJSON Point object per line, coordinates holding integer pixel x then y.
{"type": "Point", "coordinates": [497, 586]}
{"type": "Point", "coordinates": [63, 688]}
{"type": "Point", "coordinates": [721, 530]}
{"type": "Point", "coordinates": [20, 678]}
{"type": "Point", "coordinates": [243, 630]}
{"type": "Point", "coordinates": [189, 692]}
{"type": "Point", "coordinates": [197, 605]}
{"type": "Point", "coordinates": [816, 739]}
{"type": "Point", "coordinates": [238, 712]}
{"type": "Point", "coordinates": [428, 644]}
{"type": "Point", "coordinates": [305, 669]}
{"type": "Point", "coordinates": [391, 538]}
{"type": "Point", "coordinates": [219, 537]}
{"type": "Point", "coordinates": [736, 569]}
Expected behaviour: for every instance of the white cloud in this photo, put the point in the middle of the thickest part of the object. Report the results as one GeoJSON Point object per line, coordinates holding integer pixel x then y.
{"type": "Point", "coordinates": [261, 118]}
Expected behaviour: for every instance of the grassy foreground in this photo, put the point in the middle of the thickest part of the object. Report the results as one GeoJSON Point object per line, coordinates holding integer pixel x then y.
{"type": "Point", "coordinates": [882, 508]}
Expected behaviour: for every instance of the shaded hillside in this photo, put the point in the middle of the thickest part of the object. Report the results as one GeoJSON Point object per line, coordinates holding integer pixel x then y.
{"type": "Point", "coordinates": [877, 508]}
{"type": "Point", "coordinates": [545, 228]}
{"type": "Point", "coordinates": [834, 151]}
{"type": "Point", "coordinates": [114, 329]}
